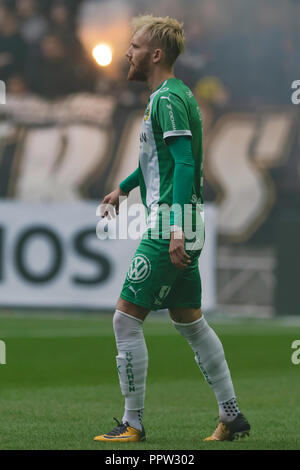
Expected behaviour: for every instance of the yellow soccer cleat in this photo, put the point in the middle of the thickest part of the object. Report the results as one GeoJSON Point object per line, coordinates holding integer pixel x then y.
{"type": "Point", "coordinates": [236, 429]}
{"type": "Point", "coordinates": [122, 433]}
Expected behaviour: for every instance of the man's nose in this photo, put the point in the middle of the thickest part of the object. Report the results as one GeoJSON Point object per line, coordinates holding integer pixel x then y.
{"type": "Point", "coordinates": [128, 54]}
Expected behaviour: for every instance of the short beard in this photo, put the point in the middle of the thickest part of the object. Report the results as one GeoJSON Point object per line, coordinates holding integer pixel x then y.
{"type": "Point", "coordinates": [141, 72]}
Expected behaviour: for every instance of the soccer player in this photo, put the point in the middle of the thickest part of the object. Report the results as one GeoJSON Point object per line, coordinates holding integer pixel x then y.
{"type": "Point", "coordinates": [164, 272]}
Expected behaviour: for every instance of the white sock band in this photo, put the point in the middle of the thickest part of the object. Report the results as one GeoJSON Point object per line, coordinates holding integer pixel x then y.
{"type": "Point", "coordinates": [132, 359]}
{"type": "Point", "coordinates": [209, 355]}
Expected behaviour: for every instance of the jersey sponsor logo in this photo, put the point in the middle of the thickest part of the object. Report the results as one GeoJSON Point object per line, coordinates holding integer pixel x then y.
{"type": "Point", "coordinates": [143, 137]}
{"type": "Point", "coordinates": [171, 115]}
{"type": "Point", "coordinates": [140, 269]}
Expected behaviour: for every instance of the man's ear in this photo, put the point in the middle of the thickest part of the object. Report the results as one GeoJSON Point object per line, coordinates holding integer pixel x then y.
{"type": "Point", "coordinates": [157, 55]}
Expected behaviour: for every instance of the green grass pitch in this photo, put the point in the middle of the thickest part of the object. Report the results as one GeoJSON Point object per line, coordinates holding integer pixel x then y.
{"type": "Point", "coordinates": [60, 386]}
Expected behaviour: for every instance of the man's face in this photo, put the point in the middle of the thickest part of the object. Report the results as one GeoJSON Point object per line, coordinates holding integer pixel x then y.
{"type": "Point", "coordinates": [139, 57]}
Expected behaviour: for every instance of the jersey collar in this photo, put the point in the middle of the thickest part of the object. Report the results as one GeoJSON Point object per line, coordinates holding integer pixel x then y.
{"type": "Point", "coordinates": [157, 89]}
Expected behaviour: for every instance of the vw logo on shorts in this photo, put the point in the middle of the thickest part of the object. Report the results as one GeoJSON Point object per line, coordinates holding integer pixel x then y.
{"type": "Point", "coordinates": [140, 269]}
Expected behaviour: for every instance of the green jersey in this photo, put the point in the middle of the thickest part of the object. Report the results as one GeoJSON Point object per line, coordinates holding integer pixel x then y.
{"type": "Point", "coordinates": [172, 110]}
{"type": "Point", "coordinates": [152, 280]}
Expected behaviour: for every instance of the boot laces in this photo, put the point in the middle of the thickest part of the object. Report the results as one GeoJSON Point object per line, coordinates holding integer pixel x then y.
{"type": "Point", "coordinates": [121, 428]}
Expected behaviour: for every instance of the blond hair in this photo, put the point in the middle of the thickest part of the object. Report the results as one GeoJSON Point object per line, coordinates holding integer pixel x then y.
{"type": "Point", "coordinates": [164, 32]}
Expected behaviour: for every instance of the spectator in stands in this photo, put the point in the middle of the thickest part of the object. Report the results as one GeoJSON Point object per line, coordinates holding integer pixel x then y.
{"type": "Point", "coordinates": [62, 23]}
{"type": "Point", "coordinates": [32, 24]}
{"type": "Point", "coordinates": [54, 72]}
{"type": "Point", "coordinates": [60, 16]}
{"type": "Point", "coordinates": [16, 85]}
{"type": "Point", "coordinates": [12, 46]}
{"type": "Point", "coordinates": [195, 62]}
{"type": "Point", "coordinates": [72, 5]}
{"type": "Point", "coordinates": [52, 75]}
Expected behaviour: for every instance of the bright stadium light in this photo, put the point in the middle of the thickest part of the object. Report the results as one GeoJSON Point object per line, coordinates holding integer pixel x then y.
{"type": "Point", "coordinates": [102, 54]}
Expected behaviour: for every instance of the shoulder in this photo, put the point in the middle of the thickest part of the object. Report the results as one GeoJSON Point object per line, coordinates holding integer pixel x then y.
{"type": "Point", "coordinates": [176, 92]}
{"type": "Point", "coordinates": [167, 97]}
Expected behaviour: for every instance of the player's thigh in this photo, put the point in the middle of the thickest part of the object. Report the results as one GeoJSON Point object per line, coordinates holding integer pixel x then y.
{"type": "Point", "coordinates": [184, 301]}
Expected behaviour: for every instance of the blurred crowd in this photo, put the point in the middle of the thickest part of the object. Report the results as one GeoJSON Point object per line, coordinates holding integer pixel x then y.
{"type": "Point", "coordinates": [40, 51]}
{"type": "Point", "coordinates": [237, 52]}
{"type": "Point", "coordinates": [241, 52]}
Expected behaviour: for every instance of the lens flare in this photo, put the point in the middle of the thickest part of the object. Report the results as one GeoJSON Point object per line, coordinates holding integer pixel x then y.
{"type": "Point", "coordinates": [102, 54]}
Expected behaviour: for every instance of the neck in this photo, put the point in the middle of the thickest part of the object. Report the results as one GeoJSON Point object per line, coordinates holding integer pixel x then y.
{"type": "Point", "coordinates": [158, 77]}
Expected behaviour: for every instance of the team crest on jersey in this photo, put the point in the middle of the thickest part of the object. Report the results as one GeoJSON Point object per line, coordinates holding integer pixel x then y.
{"type": "Point", "coordinates": [147, 113]}
{"type": "Point", "coordinates": [140, 269]}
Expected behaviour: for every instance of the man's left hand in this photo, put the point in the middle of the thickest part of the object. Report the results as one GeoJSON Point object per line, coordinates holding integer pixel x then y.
{"type": "Point", "coordinates": [178, 255]}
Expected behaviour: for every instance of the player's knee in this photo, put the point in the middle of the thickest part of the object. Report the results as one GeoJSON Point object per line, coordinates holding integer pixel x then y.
{"type": "Point", "coordinates": [131, 309]}
{"type": "Point", "coordinates": [185, 315]}
{"type": "Point", "coordinates": [120, 324]}
{"type": "Point", "coordinates": [126, 326]}
{"type": "Point", "coordinates": [116, 323]}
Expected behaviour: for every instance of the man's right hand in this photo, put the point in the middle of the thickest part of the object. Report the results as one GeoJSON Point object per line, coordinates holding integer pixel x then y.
{"type": "Point", "coordinates": [111, 201]}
